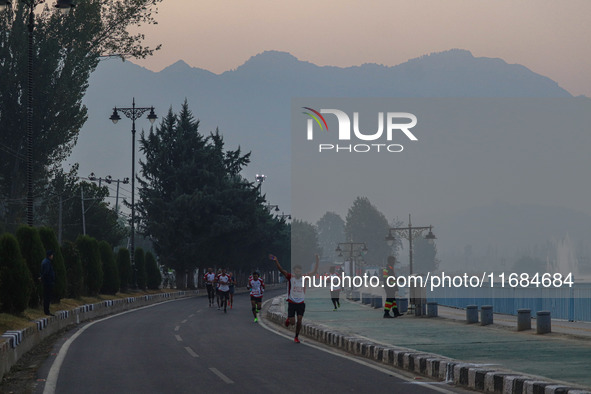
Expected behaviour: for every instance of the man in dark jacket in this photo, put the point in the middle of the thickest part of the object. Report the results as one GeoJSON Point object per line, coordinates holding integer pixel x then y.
{"type": "Point", "coordinates": [48, 279]}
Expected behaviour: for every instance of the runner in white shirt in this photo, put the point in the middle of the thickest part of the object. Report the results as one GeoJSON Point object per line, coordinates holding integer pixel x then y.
{"type": "Point", "coordinates": [223, 280]}
{"type": "Point", "coordinates": [335, 293]}
{"type": "Point", "coordinates": [209, 278]}
{"type": "Point", "coordinates": [296, 294]}
{"type": "Point", "coordinates": [256, 286]}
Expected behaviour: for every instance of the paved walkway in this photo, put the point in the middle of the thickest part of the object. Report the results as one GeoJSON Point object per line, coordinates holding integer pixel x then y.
{"type": "Point", "coordinates": [563, 355]}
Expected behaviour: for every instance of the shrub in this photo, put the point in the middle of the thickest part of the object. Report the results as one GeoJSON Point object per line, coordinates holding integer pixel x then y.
{"type": "Point", "coordinates": [110, 271]}
{"type": "Point", "coordinates": [140, 268]}
{"type": "Point", "coordinates": [124, 266]}
{"type": "Point", "coordinates": [91, 264]}
{"type": "Point", "coordinates": [15, 278]}
{"type": "Point", "coordinates": [33, 251]}
{"type": "Point", "coordinates": [154, 279]}
{"type": "Point", "coordinates": [74, 271]}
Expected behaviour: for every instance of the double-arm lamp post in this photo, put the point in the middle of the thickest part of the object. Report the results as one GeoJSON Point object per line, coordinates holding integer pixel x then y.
{"type": "Point", "coordinates": [64, 7]}
{"type": "Point", "coordinates": [353, 249]}
{"type": "Point", "coordinates": [410, 232]}
{"type": "Point", "coordinates": [133, 113]}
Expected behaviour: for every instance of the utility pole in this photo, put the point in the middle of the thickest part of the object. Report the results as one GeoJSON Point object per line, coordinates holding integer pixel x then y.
{"type": "Point", "coordinates": [83, 211]}
{"type": "Point", "coordinates": [109, 179]}
{"type": "Point", "coordinates": [59, 230]}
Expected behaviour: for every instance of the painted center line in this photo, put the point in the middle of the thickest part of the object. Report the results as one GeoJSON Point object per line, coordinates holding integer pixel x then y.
{"type": "Point", "coordinates": [184, 321]}
{"type": "Point", "coordinates": [191, 315]}
{"type": "Point", "coordinates": [177, 328]}
{"type": "Point", "coordinates": [178, 338]}
{"type": "Point", "coordinates": [191, 352]}
{"type": "Point", "coordinates": [221, 375]}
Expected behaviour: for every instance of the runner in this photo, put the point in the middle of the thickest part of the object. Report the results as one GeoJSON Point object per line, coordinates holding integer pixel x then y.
{"type": "Point", "coordinates": [256, 285]}
{"type": "Point", "coordinates": [335, 293]}
{"type": "Point", "coordinates": [296, 294]}
{"type": "Point", "coordinates": [223, 281]}
{"type": "Point", "coordinates": [217, 290]}
{"type": "Point", "coordinates": [209, 278]}
{"type": "Point", "coordinates": [232, 285]}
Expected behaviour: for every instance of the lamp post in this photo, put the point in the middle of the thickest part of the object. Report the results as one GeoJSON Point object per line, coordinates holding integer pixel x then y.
{"type": "Point", "coordinates": [133, 113]}
{"type": "Point", "coordinates": [284, 216]}
{"type": "Point", "coordinates": [360, 248]}
{"type": "Point", "coordinates": [64, 7]}
{"type": "Point", "coordinates": [409, 233]}
{"type": "Point", "coordinates": [109, 179]}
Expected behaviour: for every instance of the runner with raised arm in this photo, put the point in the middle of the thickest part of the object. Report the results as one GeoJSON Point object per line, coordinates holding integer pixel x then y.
{"type": "Point", "coordinates": [296, 294]}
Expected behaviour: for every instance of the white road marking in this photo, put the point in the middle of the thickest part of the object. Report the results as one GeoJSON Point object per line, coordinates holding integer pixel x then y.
{"type": "Point", "coordinates": [191, 352]}
{"type": "Point", "coordinates": [362, 362]}
{"type": "Point", "coordinates": [184, 321]}
{"type": "Point", "coordinates": [221, 375]}
{"type": "Point", "coordinates": [178, 338]}
{"type": "Point", "coordinates": [191, 315]}
{"type": "Point", "coordinates": [51, 382]}
{"type": "Point", "coordinates": [177, 328]}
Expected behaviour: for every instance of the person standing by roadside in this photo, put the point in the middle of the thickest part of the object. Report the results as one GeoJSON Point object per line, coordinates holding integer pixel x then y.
{"type": "Point", "coordinates": [391, 288]}
{"type": "Point", "coordinates": [48, 279]}
{"type": "Point", "coordinates": [296, 293]}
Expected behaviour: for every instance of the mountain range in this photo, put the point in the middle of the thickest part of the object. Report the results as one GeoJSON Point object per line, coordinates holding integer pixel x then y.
{"type": "Point", "coordinates": [251, 104]}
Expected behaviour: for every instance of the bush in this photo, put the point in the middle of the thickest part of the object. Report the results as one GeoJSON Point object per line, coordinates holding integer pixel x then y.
{"type": "Point", "coordinates": [15, 279]}
{"type": "Point", "coordinates": [140, 268]}
{"type": "Point", "coordinates": [74, 271]}
{"type": "Point", "coordinates": [60, 290]}
{"type": "Point", "coordinates": [110, 271]}
{"type": "Point", "coordinates": [91, 264]}
{"type": "Point", "coordinates": [124, 266]}
{"type": "Point", "coordinates": [33, 251]}
{"type": "Point", "coordinates": [154, 279]}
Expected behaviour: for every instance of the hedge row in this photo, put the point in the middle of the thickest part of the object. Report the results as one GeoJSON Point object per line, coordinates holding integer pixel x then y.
{"type": "Point", "coordinates": [85, 267]}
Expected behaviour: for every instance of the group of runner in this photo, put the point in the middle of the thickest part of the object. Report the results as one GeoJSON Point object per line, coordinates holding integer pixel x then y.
{"type": "Point", "coordinates": [220, 287]}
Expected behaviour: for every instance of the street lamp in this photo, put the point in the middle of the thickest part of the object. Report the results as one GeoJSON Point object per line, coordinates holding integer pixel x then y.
{"type": "Point", "coordinates": [133, 113]}
{"type": "Point", "coordinates": [109, 179]}
{"type": "Point", "coordinates": [354, 249]}
{"type": "Point", "coordinates": [64, 6]}
{"type": "Point", "coordinates": [409, 233]}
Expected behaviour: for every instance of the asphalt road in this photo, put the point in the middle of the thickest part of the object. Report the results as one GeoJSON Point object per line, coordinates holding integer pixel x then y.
{"type": "Point", "coordinates": [186, 347]}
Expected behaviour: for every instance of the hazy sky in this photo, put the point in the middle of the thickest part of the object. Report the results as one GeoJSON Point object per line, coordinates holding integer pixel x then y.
{"type": "Point", "coordinates": [548, 37]}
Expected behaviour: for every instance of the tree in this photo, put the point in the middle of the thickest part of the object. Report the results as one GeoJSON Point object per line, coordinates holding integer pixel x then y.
{"type": "Point", "coordinates": [424, 256]}
{"type": "Point", "coordinates": [304, 244]}
{"type": "Point", "coordinates": [365, 223]}
{"type": "Point", "coordinates": [101, 222]}
{"type": "Point", "coordinates": [15, 278]}
{"type": "Point", "coordinates": [331, 231]}
{"type": "Point", "coordinates": [74, 270]}
{"type": "Point", "coordinates": [60, 289]}
{"type": "Point", "coordinates": [194, 204]}
{"type": "Point", "coordinates": [140, 268]}
{"type": "Point", "coordinates": [66, 51]}
{"type": "Point", "coordinates": [91, 264]}
{"type": "Point", "coordinates": [111, 279]}
{"type": "Point", "coordinates": [154, 278]}
{"type": "Point", "coordinates": [124, 266]}
{"type": "Point", "coordinates": [33, 252]}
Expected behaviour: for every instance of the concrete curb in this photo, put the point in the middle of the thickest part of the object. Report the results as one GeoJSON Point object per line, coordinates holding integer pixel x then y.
{"type": "Point", "coordinates": [18, 342]}
{"type": "Point", "coordinates": [473, 376]}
